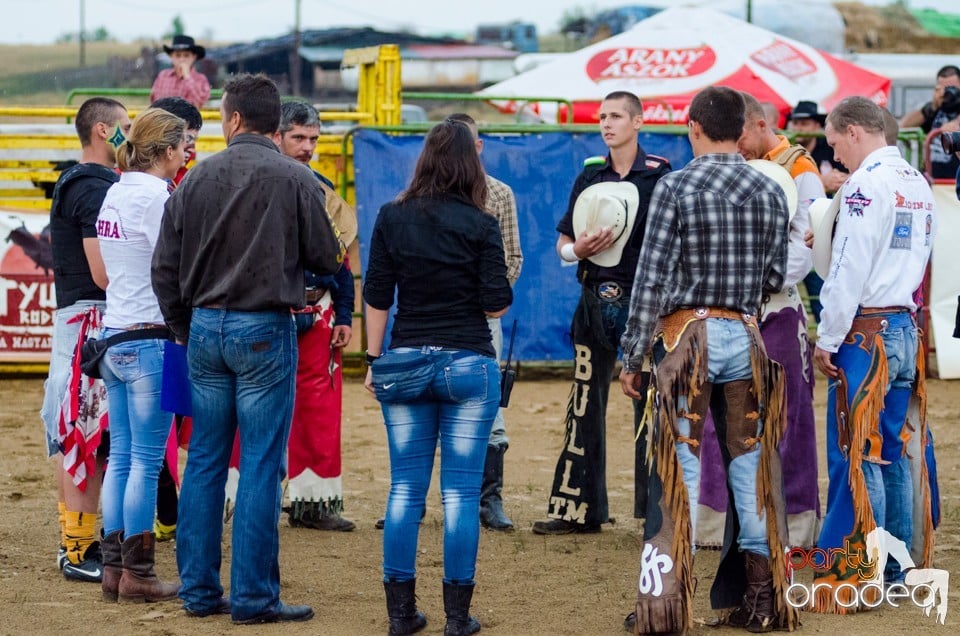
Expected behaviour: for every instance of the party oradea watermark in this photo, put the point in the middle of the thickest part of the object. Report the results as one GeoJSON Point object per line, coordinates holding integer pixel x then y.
{"type": "Point", "coordinates": [925, 588]}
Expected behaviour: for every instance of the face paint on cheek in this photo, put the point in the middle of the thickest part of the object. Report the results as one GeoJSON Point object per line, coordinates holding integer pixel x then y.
{"type": "Point", "coordinates": [116, 138]}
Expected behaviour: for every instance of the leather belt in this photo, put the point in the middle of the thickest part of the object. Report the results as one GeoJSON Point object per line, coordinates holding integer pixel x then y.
{"type": "Point", "coordinates": [702, 313]}
{"type": "Point", "coordinates": [872, 311]}
{"type": "Point", "coordinates": [145, 325]}
{"type": "Point", "coordinates": [314, 294]}
{"type": "Point", "coordinates": [673, 325]}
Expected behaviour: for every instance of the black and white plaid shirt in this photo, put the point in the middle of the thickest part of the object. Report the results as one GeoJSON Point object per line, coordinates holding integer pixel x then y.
{"type": "Point", "coordinates": [716, 237]}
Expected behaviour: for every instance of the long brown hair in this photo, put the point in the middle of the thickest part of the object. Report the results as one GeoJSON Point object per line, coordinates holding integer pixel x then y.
{"type": "Point", "coordinates": [448, 165]}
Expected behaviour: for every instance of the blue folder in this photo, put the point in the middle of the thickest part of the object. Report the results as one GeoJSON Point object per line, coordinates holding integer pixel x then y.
{"type": "Point", "coordinates": [175, 391]}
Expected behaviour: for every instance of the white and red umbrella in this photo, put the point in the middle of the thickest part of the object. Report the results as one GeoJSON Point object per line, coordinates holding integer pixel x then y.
{"type": "Point", "coordinates": [667, 58]}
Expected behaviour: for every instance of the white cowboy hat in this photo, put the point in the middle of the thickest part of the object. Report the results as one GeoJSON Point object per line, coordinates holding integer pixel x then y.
{"type": "Point", "coordinates": [779, 174]}
{"type": "Point", "coordinates": [611, 204]}
{"type": "Point", "coordinates": [823, 218]}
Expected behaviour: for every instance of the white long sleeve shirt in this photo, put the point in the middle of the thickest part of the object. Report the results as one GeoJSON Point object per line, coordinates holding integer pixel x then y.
{"type": "Point", "coordinates": [799, 256]}
{"type": "Point", "coordinates": [881, 245]}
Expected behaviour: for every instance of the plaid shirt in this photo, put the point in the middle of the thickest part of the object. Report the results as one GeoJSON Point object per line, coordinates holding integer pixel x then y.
{"type": "Point", "coordinates": [195, 89]}
{"type": "Point", "coordinates": [716, 237]}
{"type": "Point", "coordinates": [502, 205]}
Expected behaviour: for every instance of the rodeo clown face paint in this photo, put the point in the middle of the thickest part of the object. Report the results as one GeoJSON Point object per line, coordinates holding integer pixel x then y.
{"type": "Point", "coordinates": [117, 137]}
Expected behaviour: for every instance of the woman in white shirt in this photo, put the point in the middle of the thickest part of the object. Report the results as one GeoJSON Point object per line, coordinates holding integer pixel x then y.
{"type": "Point", "coordinates": [127, 228]}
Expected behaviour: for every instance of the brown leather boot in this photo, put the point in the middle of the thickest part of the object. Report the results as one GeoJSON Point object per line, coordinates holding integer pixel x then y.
{"type": "Point", "coordinates": [138, 582]}
{"type": "Point", "coordinates": [112, 562]}
{"type": "Point", "coordinates": [756, 613]}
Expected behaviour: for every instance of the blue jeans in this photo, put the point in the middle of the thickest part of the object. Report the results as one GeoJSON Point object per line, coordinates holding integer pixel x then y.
{"type": "Point", "coordinates": [133, 372]}
{"type": "Point", "coordinates": [728, 354]}
{"type": "Point", "coordinates": [498, 434]}
{"type": "Point", "coordinates": [62, 345]}
{"type": "Point", "coordinates": [463, 400]}
{"type": "Point", "coordinates": [242, 371]}
{"type": "Point", "coordinates": [891, 485]}
{"type": "Point", "coordinates": [814, 284]}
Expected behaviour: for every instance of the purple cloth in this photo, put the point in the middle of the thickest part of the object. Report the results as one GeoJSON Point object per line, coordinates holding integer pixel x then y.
{"type": "Point", "coordinates": [785, 337]}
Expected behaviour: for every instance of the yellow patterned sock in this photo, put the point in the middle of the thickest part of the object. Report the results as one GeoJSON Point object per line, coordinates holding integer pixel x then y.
{"type": "Point", "coordinates": [62, 518]}
{"type": "Point", "coordinates": [79, 534]}
{"type": "Point", "coordinates": [163, 531]}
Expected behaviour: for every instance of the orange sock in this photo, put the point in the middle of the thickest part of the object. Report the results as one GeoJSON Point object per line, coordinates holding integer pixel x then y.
{"type": "Point", "coordinates": [80, 528]}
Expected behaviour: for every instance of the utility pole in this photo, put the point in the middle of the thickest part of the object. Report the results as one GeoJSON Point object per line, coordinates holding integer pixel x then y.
{"type": "Point", "coordinates": [295, 53]}
{"type": "Point", "coordinates": [750, 11]}
{"type": "Point", "coordinates": [83, 43]}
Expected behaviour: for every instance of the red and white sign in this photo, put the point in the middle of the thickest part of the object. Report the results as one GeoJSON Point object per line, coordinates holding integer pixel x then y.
{"type": "Point", "coordinates": [782, 58]}
{"type": "Point", "coordinates": [27, 300]}
{"type": "Point", "coordinates": [642, 63]}
{"type": "Point", "coordinates": [669, 57]}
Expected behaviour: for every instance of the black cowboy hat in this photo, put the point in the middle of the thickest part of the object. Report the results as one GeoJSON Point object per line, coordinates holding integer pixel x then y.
{"type": "Point", "coordinates": [808, 110]}
{"type": "Point", "coordinates": [185, 43]}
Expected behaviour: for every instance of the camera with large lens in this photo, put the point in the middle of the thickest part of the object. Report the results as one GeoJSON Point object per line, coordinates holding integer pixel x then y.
{"type": "Point", "coordinates": [950, 142]}
{"type": "Point", "coordinates": [950, 104]}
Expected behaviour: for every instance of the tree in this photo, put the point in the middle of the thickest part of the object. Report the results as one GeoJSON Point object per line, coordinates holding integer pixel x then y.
{"type": "Point", "coordinates": [176, 27]}
{"type": "Point", "coordinates": [574, 21]}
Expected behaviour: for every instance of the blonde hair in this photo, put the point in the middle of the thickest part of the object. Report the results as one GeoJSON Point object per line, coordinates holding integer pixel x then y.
{"type": "Point", "coordinates": [153, 131]}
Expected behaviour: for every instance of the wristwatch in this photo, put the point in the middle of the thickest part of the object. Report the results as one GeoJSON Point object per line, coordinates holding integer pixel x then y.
{"type": "Point", "coordinates": [371, 358]}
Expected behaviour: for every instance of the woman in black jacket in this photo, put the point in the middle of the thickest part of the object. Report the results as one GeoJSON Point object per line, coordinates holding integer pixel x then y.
{"type": "Point", "coordinates": [443, 255]}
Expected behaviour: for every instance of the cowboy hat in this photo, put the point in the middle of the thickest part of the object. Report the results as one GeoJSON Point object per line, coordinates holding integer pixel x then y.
{"type": "Point", "coordinates": [808, 110]}
{"type": "Point", "coordinates": [185, 43]}
{"type": "Point", "coordinates": [611, 204]}
{"type": "Point", "coordinates": [823, 219]}
{"type": "Point", "coordinates": [779, 174]}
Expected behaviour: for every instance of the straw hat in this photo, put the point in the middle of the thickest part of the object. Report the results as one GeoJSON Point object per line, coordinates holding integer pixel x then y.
{"type": "Point", "coordinates": [611, 204]}
{"type": "Point", "coordinates": [823, 220]}
{"type": "Point", "coordinates": [779, 174]}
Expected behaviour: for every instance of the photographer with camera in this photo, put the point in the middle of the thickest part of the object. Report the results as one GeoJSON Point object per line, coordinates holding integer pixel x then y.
{"type": "Point", "coordinates": [944, 113]}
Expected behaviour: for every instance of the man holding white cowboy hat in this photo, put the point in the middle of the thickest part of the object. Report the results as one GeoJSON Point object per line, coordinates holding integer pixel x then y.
{"type": "Point", "coordinates": [601, 231]}
{"type": "Point", "coordinates": [871, 246]}
{"type": "Point", "coordinates": [183, 80]}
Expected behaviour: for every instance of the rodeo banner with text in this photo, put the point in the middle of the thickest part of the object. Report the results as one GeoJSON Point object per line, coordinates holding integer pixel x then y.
{"type": "Point", "coordinates": [541, 169]}
{"type": "Point", "coordinates": [27, 299]}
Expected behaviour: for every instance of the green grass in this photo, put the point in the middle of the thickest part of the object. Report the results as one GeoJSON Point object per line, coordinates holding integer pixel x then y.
{"type": "Point", "coordinates": [42, 75]}
{"type": "Point", "coordinates": [19, 59]}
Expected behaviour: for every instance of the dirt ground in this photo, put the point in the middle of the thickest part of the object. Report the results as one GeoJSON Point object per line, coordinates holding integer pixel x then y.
{"type": "Point", "coordinates": [526, 584]}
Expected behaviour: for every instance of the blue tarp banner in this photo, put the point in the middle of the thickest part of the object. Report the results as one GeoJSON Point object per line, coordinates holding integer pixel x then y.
{"type": "Point", "coordinates": [541, 169]}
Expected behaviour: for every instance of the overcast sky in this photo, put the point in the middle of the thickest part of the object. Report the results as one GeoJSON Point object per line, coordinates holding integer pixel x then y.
{"type": "Point", "coordinates": [42, 21]}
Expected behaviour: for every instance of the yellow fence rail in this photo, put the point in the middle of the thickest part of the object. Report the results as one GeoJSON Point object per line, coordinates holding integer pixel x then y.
{"type": "Point", "coordinates": [35, 141]}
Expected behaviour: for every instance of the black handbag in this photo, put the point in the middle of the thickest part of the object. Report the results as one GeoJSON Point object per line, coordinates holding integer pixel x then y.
{"type": "Point", "coordinates": [93, 349]}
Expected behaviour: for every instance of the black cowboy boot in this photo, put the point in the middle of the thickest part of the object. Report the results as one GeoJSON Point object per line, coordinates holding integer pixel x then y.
{"type": "Point", "coordinates": [756, 613]}
{"type": "Point", "coordinates": [491, 503]}
{"type": "Point", "coordinates": [405, 618]}
{"type": "Point", "coordinates": [456, 604]}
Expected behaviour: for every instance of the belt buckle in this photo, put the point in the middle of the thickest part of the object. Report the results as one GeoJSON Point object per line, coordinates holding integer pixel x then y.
{"type": "Point", "coordinates": [609, 291]}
